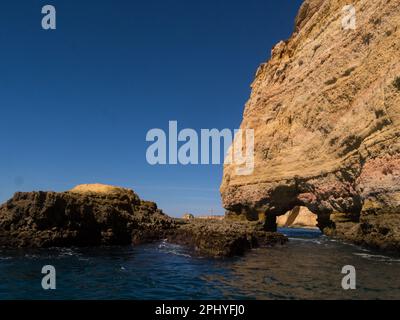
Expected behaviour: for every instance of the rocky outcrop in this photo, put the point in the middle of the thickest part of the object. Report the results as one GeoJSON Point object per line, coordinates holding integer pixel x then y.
{"type": "Point", "coordinates": [87, 215]}
{"type": "Point", "coordinates": [223, 239]}
{"type": "Point", "coordinates": [299, 217]}
{"type": "Point", "coordinates": [325, 110]}
{"type": "Point", "coordinates": [188, 216]}
{"type": "Point", "coordinates": [94, 215]}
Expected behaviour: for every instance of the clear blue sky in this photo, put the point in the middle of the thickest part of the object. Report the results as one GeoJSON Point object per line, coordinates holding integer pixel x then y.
{"type": "Point", "coordinates": [76, 103]}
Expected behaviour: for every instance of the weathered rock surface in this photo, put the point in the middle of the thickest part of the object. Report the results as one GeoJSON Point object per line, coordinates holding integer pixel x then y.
{"type": "Point", "coordinates": [299, 217]}
{"type": "Point", "coordinates": [212, 217]}
{"type": "Point", "coordinates": [188, 216]}
{"type": "Point", "coordinates": [93, 215]}
{"type": "Point", "coordinates": [326, 115]}
{"type": "Point", "coordinates": [85, 216]}
{"type": "Point", "coordinates": [223, 239]}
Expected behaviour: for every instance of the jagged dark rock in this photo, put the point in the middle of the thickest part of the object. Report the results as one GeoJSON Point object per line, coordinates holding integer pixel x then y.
{"type": "Point", "coordinates": [74, 218]}
{"type": "Point", "coordinates": [94, 215]}
{"type": "Point", "coordinates": [223, 238]}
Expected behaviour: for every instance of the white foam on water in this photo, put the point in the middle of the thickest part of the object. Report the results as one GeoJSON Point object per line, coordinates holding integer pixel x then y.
{"type": "Point", "coordinates": [316, 241]}
{"type": "Point", "coordinates": [68, 252]}
{"type": "Point", "coordinates": [376, 257]}
{"type": "Point", "coordinates": [174, 249]}
{"type": "Point", "coordinates": [83, 259]}
{"type": "Point", "coordinates": [5, 258]}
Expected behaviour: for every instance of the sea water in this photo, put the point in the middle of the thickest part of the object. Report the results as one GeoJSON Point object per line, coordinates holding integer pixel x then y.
{"type": "Point", "coordinates": [308, 267]}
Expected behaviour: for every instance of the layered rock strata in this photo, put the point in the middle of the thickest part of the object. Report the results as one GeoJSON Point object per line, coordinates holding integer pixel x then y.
{"type": "Point", "coordinates": [325, 110]}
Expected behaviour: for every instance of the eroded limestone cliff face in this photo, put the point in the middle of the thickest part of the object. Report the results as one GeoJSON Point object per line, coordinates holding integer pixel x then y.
{"type": "Point", "coordinates": [326, 114]}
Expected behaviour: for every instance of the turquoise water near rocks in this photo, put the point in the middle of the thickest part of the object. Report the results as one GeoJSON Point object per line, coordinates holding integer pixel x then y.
{"type": "Point", "coordinates": [308, 267]}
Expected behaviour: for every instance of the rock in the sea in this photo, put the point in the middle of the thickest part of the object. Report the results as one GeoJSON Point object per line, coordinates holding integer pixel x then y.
{"type": "Point", "coordinates": [84, 216]}
{"type": "Point", "coordinates": [93, 215]}
{"type": "Point", "coordinates": [325, 111]}
{"type": "Point", "coordinates": [223, 238]}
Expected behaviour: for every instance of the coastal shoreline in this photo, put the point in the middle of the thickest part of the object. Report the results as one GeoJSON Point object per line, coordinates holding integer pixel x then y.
{"type": "Point", "coordinates": [95, 215]}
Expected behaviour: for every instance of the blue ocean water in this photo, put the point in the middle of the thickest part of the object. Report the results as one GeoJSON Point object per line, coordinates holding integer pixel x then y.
{"type": "Point", "coordinates": [308, 267]}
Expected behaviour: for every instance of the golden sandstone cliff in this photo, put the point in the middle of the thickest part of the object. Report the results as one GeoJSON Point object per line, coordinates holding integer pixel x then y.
{"type": "Point", "coordinates": [326, 115]}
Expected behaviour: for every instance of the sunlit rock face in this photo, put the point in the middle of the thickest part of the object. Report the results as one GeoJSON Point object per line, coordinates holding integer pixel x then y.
{"type": "Point", "coordinates": [299, 217]}
{"type": "Point", "coordinates": [325, 110]}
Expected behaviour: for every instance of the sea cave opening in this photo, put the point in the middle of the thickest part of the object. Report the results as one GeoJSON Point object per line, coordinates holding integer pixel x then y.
{"type": "Point", "coordinates": [298, 217]}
